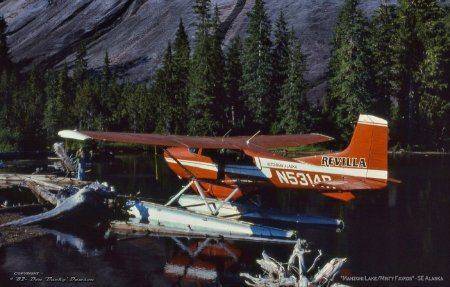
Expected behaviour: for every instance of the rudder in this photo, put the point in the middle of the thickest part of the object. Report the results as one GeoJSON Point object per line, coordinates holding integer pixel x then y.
{"type": "Point", "coordinates": [369, 142]}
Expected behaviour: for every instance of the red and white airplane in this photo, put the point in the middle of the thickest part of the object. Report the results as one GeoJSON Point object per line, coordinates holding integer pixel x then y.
{"type": "Point", "coordinates": [230, 167]}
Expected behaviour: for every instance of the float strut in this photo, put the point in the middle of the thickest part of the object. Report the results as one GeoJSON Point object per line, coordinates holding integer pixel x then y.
{"type": "Point", "coordinates": [226, 200]}
{"type": "Point", "coordinates": [179, 193]}
{"type": "Point", "coordinates": [200, 190]}
{"type": "Point", "coordinates": [186, 249]}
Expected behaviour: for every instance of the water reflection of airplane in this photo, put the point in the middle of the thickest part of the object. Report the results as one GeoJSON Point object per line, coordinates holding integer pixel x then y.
{"type": "Point", "coordinates": [224, 170]}
{"type": "Point", "coordinates": [204, 261]}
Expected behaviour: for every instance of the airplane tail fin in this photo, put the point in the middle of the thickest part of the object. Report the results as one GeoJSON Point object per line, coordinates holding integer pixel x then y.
{"type": "Point", "coordinates": [365, 156]}
{"type": "Point", "coordinates": [368, 147]}
{"type": "Point", "coordinates": [363, 164]}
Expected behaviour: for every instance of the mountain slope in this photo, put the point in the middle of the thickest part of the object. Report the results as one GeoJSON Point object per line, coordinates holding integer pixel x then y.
{"type": "Point", "coordinates": [136, 32]}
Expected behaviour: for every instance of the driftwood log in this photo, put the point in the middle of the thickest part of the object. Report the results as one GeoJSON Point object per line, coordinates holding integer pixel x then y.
{"type": "Point", "coordinates": [71, 205]}
{"type": "Point", "coordinates": [50, 181]}
{"type": "Point", "coordinates": [40, 192]}
{"type": "Point", "coordinates": [275, 274]}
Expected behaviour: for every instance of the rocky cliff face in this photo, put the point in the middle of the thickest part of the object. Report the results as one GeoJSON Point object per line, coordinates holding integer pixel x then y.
{"type": "Point", "coordinates": [135, 32]}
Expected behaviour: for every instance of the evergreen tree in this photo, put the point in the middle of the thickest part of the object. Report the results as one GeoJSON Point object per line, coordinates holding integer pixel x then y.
{"type": "Point", "coordinates": [107, 101]}
{"type": "Point", "coordinates": [295, 115]}
{"type": "Point", "coordinates": [115, 122]}
{"type": "Point", "coordinates": [280, 57]}
{"type": "Point", "coordinates": [421, 73]}
{"type": "Point", "coordinates": [434, 74]}
{"type": "Point", "coordinates": [6, 97]}
{"type": "Point", "coordinates": [201, 82]}
{"type": "Point", "coordinates": [106, 70]}
{"type": "Point", "coordinates": [383, 28]}
{"type": "Point", "coordinates": [257, 67]}
{"type": "Point", "coordinates": [10, 136]}
{"type": "Point", "coordinates": [5, 62]}
{"type": "Point", "coordinates": [9, 133]}
{"type": "Point", "coordinates": [234, 102]}
{"type": "Point", "coordinates": [80, 69]}
{"type": "Point", "coordinates": [201, 10]}
{"type": "Point", "coordinates": [9, 139]}
{"type": "Point", "coordinates": [133, 107]}
{"type": "Point", "coordinates": [218, 65]}
{"type": "Point", "coordinates": [181, 63]}
{"type": "Point", "coordinates": [137, 107]}
{"type": "Point", "coordinates": [408, 52]}
{"type": "Point", "coordinates": [148, 110]}
{"type": "Point", "coordinates": [145, 115]}
{"type": "Point", "coordinates": [11, 101]}
{"type": "Point", "coordinates": [164, 87]}
{"type": "Point", "coordinates": [84, 105]}
{"type": "Point", "coordinates": [65, 98]}
{"type": "Point", "coordinates": [29, 108]}
{"type": "Point", "coordinates": [51, 121]}
{"type": "Point", "coordinates": [87, 94]}
{"type": "Point", "coordinates": [349, 76]}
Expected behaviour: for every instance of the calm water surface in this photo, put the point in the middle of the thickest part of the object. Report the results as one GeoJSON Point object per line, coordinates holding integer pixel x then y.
{"type": "Point", "coordinates": [401, 231]}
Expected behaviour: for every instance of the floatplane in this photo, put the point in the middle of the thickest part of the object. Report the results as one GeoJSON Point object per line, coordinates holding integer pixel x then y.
{"type": "Point", "coordinates": [223, 170]}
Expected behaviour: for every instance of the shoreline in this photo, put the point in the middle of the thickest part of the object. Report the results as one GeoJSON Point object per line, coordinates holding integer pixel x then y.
{"type": "Point", "coordinates": [11, 235]}
{"type": "Point", "coordinates": [433, 153]}
{"type": "Point", "coordinates": [18, 155]}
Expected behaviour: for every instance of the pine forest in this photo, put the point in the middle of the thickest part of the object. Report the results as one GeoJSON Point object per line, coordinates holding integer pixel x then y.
{"type": "Point", "coordinates": [395, 65]}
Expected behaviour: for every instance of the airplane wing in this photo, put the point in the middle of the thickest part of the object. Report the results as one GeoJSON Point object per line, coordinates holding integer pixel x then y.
{"type": "Point", "coordinates": [239, 142]}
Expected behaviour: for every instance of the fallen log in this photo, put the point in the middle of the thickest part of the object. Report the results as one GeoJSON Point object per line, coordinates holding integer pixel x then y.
{"type": "Point", "coordinates": [14, 177]}
{"type": "Point", "coordinates": [50, 180]}
{"type": "Point", "coordinates": [49, 185]}
{"type": "Point", "coordinates": [70, 181]}
{"type": "Point", "coordinates": [6, 185]}
{"type": "Point", "coordinates": [40, 192]}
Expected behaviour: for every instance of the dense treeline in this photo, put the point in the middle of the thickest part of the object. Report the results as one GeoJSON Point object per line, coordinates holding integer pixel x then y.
{"type": "Point", "coordinates": [396, 66]}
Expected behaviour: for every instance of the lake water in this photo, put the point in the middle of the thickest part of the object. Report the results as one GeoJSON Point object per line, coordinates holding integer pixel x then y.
{"type": "Point", "coordinates": [393, 237]}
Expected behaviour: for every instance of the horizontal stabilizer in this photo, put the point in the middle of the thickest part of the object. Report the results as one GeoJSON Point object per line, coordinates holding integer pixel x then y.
{"type": "Point", "coordinates": [352, 183]}
{"type": "Point", "coordinates": [394, 180]}
{"type": "Point", "coordinates": [344, 196]}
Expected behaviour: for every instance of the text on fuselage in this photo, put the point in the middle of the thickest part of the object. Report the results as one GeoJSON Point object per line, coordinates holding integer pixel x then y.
{"type": "Point", "coordinates": [344, 161]}
{"type": "Point", "coordinates": [300, 178]}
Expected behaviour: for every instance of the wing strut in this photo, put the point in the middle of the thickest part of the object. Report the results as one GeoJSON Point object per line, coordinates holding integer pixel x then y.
{"type": "Point", "coordinates": [179, 163]}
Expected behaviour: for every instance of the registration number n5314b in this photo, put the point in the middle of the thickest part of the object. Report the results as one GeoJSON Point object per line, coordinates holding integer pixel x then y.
{"type": "Point", "coordinates": [300, 178]}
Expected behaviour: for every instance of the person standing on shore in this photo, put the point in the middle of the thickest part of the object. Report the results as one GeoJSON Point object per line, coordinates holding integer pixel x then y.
{"type": "Point", "coordinates": [81, 159]}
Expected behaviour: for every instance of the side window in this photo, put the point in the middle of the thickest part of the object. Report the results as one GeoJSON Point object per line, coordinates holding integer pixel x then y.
{"type": "Point", "coordinates": [193, 150]}
{"type": "Point", "coordinates": [227, 156]}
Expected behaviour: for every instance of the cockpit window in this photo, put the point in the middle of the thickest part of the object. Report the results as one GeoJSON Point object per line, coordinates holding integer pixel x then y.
{"type": "Point", "coordinates": [227, 156]}
{"type": "Point", "coordinates": [193, 150]}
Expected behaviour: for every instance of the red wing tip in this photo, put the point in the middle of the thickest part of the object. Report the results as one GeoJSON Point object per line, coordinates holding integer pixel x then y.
{"type": "Point", "coordinates": [394, 180]}
{"type": "Point", "coordinates": [325, 136]}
